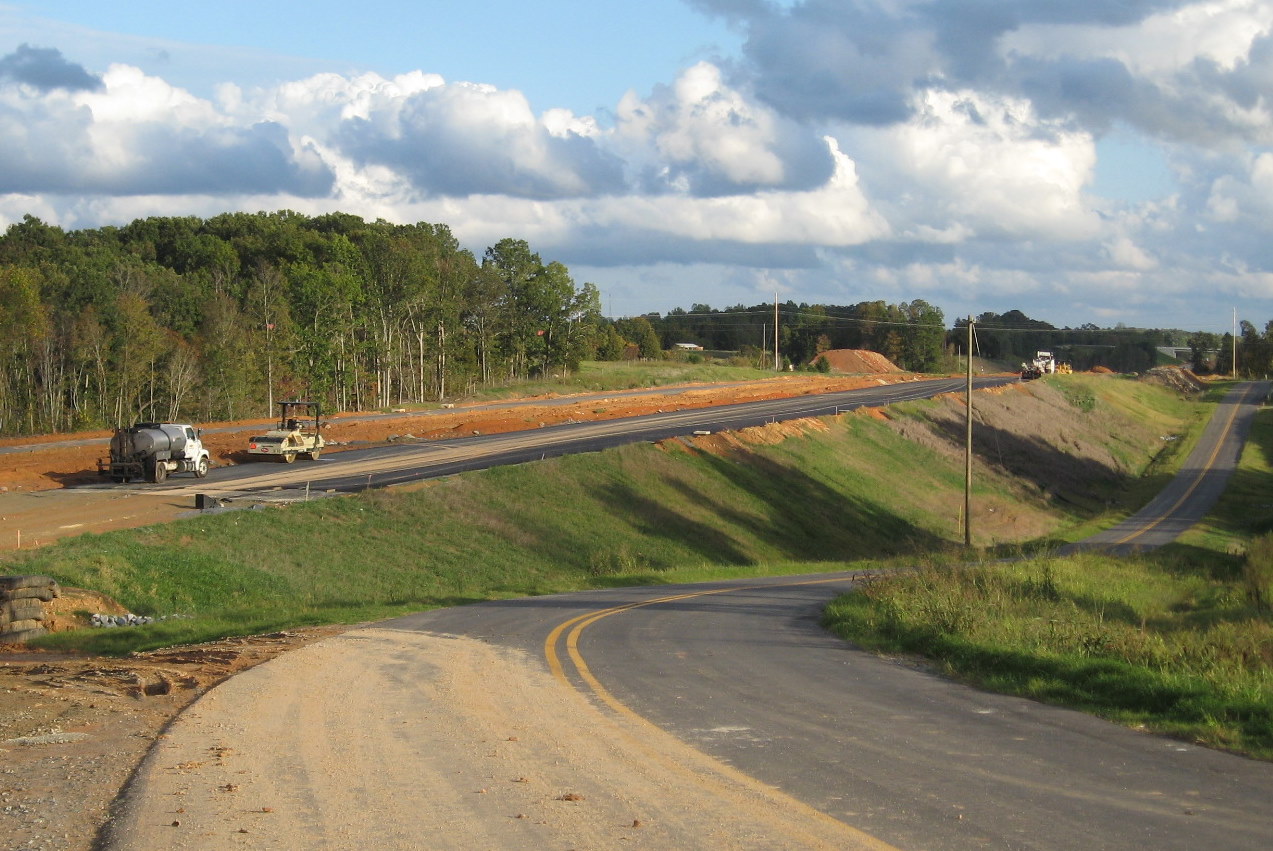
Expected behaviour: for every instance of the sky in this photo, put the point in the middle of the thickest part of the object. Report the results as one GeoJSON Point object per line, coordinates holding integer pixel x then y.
{"type": "Point", "coordinates": [1085, 161]}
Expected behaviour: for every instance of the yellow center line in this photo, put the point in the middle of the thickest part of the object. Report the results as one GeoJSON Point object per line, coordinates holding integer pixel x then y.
{"type": "Point", "coordinates": [1202, 472]}
{"type": "Point", "coordinates": [579, 623]}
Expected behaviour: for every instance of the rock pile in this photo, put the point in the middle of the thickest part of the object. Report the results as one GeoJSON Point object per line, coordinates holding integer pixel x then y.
{"type": "Point", "coordinates": [129, 619]}
{"type": "Point", "coordinates": [1176, 378]}
{"type": "Point", "coordinates": [22, 601]}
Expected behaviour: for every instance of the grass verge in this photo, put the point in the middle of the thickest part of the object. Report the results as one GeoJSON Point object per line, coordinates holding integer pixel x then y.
{"type": "Point", "coordinates": [1179, 641]}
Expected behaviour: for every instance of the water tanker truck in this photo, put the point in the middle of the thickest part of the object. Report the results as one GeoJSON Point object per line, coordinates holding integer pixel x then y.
{"type": "Point", "coordinates": [152, 451]}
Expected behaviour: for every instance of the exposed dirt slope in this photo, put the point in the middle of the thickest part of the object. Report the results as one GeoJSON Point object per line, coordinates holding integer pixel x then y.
{"type": "Point", "coordinates": [859, 361]}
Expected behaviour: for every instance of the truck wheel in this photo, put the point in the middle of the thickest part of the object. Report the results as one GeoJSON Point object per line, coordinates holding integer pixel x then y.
{"type": "Point", "coordinates": [288, 457]}
{"type": "Point", "coordinates": [313, 455]}
{"type": "Point", "coordinates": [201, 468]}
{"type": "Point", "coordinates": [161, 472]}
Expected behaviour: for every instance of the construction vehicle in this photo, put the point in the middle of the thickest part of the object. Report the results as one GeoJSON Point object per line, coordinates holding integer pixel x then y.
{"type": "Point", "coordinates": [298, 433]}
{"type": "Point", "coordinates": [1043, 364]}
{"type": "Point", "coordinates": [151, 451]}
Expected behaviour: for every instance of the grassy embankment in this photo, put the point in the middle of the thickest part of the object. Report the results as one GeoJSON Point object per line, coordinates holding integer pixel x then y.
{"type": "Point", "coordinates": [1179, 641]}
{"type": "Point", "coordinates": [852, 487]}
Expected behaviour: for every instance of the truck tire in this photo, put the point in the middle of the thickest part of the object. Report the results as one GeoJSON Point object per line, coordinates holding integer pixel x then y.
{"type": "Point", "coordinates": [288, 457]}
{"type": "Point", "coordinates": [160, 473]}
{"type": "Point", "coordinates": [201, 468]}
{"type": "Point", "coordinates": [313, 455]}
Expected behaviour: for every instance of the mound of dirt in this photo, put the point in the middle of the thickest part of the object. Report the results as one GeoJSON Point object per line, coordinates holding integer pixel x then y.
{"type": "Point", "coordinates": [859, 361]}
{"type": "Point", "coordinates": [1101, 370]}
{"type": "Point", "coordinates": [1174, 378]}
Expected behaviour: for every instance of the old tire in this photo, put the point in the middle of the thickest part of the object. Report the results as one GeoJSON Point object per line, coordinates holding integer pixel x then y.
{"type": "Point", "coordinates": [201, 468]}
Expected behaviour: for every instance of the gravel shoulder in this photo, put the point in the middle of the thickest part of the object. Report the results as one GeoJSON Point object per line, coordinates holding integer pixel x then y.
{"type": "Point", "coordinates": [73, 729]}
{"type": "Point", "coordinates": [411, 747]}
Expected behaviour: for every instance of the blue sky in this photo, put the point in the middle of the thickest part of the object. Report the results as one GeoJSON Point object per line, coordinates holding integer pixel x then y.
{"type": "Point", "coordinates": [1082, 162]}
{"type": "Point", "coordinates": [575, 53]}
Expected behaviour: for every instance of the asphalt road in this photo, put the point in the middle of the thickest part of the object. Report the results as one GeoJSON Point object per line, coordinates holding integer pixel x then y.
{"type": "Point", "coordinates": [402, 463]}
{"type": "Point", "coordinates": [1201, 481]}
{"type": "Point", "coordinates": [742, 671]}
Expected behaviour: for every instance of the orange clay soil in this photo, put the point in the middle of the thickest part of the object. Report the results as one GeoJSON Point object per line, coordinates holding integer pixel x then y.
{"type": "Point", "coordinates": [40, 503]}
{"type": "Point", "coordinates": [37, 468]}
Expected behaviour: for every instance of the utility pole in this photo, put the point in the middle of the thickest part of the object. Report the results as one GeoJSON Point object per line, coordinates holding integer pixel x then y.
{"type": "Point", "coordinates": [968, 446]}
{"type": "Point", "coordinates": [777, 363]}
{"type": "Point", "coordinates": [1235, 344]}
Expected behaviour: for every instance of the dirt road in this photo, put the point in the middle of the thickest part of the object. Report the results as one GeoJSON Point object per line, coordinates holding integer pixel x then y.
{"type": "Point", "coordinates": [442, 761]}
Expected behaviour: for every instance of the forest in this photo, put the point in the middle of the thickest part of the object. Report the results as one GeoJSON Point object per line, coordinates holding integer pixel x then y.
{"type": "Point", "coordinates": [190, 319]}
{"type": "Point", "coordinates": [182, 318]}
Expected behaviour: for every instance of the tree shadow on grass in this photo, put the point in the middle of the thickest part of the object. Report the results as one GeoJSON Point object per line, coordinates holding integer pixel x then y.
{"type": "Point", "coordinates": [799, 518]}
{"type": "Point", "coordinates": [1080, 482]}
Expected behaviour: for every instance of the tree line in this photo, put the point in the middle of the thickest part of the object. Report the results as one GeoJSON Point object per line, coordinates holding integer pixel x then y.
{"type": "Point", "coordinates": [182, 318]}
{"type": "Point", "coordinates": [1013, 336]}
{"type": "Point", "coordinates": [911, 334]}
{"type": "Point", "coordinates": [175, 318]}
{"type": "Point", "coordinates": [172, 318]}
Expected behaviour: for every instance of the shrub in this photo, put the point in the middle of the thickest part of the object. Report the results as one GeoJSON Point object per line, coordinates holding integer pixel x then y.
{"type": "Point", "coordinates": [1257, 572]}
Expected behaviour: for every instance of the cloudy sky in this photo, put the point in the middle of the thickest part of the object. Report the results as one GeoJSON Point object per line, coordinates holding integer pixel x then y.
{"type": "Point", "coordinates": [1085, 161]}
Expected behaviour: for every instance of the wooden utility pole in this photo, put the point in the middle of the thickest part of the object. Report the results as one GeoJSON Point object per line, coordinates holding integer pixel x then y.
{"type": "Point", "coordinates": [1235, 344]}
{"type": "Point", "coordinates": [777, 363]}
{"type": "Point", "coordinates": [968, 445]}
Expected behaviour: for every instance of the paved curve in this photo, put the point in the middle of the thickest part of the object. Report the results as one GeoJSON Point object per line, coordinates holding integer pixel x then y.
{"type": "Point", "coordinates": [742, 672]}
{"type": "Point", "coordinates": [1202, 479]}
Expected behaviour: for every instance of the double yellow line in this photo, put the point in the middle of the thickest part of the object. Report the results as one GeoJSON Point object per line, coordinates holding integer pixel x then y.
{"type": "Point", "coordinates": [577, 625]}
{"type": "Point", "coordinates": [1200, 475]}
{"type": "Point", "coordinates": [573, 628]}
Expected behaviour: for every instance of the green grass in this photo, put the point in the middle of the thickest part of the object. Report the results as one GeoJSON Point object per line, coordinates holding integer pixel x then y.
{"type": "Point", "coordinates": [1160, 641]}
{"type": "Point", "coordinates": [602, 376]}
{"type": "Point", "coordinates": [1179, 641]}
{"type": "Point", "coordinates": [634, 515]}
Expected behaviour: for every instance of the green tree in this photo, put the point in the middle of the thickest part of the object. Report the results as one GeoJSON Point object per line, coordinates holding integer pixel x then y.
{"type": "Point", "coordinates": [24, 325]}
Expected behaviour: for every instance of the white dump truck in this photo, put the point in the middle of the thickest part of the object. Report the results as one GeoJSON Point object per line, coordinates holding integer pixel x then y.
{"type": "Point", "coordinates": [152, 451]}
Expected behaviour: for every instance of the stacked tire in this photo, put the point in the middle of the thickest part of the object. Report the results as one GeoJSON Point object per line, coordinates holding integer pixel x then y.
{"type": "Point", "coordinates": [22, 601]}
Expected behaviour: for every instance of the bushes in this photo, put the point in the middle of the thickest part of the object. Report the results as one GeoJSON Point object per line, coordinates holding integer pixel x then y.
{"type": "Point", "coordinates": [1257, 572]}
{"type": "Point", "coordinates": [1143, 641]}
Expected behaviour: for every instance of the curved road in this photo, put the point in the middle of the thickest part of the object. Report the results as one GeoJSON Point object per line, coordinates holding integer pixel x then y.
{"type": "Point", "coordinates": [1195, 489]}
{"type": "Point", "coordinates": [742, 672]}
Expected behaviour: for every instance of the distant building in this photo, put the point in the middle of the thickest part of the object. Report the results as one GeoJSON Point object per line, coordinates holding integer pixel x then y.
{"type": "Point", "coordinates": [689, 347]}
